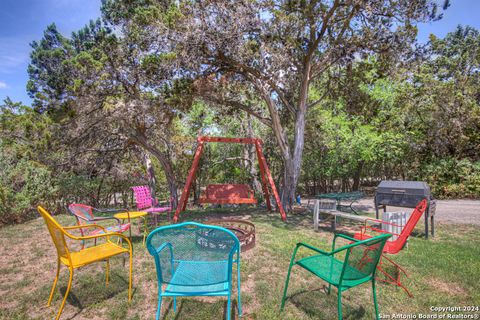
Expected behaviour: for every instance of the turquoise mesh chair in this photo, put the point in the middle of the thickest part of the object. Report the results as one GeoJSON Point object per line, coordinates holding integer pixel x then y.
{"type": "Point", "coordinates": [194, 259]}
{"type": "Point", "coordinates": [345, 267]}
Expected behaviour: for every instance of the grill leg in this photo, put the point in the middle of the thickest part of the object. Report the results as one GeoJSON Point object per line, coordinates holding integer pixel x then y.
{"type": "Point", "coordinates": [432, 227]}
{"type": "Point", "coordinates": [426, 224]}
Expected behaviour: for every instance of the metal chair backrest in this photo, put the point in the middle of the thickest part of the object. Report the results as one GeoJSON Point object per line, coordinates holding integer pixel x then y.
{"type": "Point", "coordinates": [82, 212]}
{"type": "Point", "coordinates": [143, 198]}
{"type": "Point", "coordinates": [362, 258]}
{"type": "Point", "coordinates": [192, 243]}
{"type": "Point", "coordinates": [397, 245]}
{"type": "Point", "coordinates": [56, 232]}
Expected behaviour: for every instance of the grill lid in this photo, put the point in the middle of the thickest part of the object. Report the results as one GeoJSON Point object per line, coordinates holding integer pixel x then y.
{"type": "Point", "coordinates": [404, 187]}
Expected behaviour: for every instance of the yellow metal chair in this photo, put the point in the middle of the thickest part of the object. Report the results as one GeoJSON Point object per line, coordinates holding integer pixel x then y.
{"type": "Point", "coordinates": [77, 259]}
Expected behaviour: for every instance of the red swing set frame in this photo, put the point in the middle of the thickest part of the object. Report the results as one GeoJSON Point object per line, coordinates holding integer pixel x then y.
{"type": "Point", "coordinates": [231, 193]}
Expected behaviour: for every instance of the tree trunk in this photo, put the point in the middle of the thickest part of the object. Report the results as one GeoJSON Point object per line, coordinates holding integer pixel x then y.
{"type": "Point", "coordinates": [289, 184]}
{"type": "Point", "coordinates": [152, 183]}
{"type": "Point", "coordinates": [250, 154]}
{"type": "Point", "coordinates": [169, 174]}
{"type": "Point", "coordinates": [293, 164]}
{"type": "Point", "coordinates": [357, 175]}
{"type": "Point", "coordinates": [165, 161]}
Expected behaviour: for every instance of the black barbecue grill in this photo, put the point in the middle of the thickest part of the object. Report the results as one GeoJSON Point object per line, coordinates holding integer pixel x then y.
{"type": "Point", "coordinates": [406, 194]}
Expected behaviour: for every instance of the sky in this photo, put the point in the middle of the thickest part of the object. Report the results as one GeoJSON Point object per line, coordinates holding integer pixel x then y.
{"type": "Point", "coordinates": [23, 21]}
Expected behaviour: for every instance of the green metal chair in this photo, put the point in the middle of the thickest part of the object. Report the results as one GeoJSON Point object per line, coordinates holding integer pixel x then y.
{"type": "Point", "coordinates": [356, 266]}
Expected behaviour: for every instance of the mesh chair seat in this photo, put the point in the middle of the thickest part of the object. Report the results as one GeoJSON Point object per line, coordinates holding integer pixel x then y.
{"type": "Point", "coordinates": [92, 254]}
{"type": "Point", "coordinates": [157, 209]}
{"type": "Point", "coordinates": [120, 229]}
{"type": "Point", "coordinates": [196, 277]}
{"type": "Point", "coordinates": [330, 269]}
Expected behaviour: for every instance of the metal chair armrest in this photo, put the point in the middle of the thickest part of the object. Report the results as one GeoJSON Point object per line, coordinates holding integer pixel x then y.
{"type": "Point", "coordinates": [85, 226]}
{"type": "Point", "coordinates": [379, 230]}
{"type": "Point", "coordinates": [372, 220]}
{"type": "Point", "coordinates": [163, 246]}
{"type": "Point", "coordinates": [357, 243]}
{"type": "Point", "coordinates": [389, 223]}
{"type": "Point", "coordinates": [109, 218]}
{"type": "Point", "coordinates": [302, 244]}
{"type": "Point", "coordinates": [107, 210]}
{"type": "Point", "coordinates": [102, 235]}
{"type": "Point", "coordinates": [344, 236]}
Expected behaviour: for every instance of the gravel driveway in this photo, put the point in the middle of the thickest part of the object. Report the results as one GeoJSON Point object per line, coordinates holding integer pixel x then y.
{"type": "Point", "coordinates": [452, 211]}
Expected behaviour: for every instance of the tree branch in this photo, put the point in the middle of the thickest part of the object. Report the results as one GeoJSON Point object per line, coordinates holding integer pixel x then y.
{"type": "Point", "coordinates": [243, 107]}
{"type": "Point", "coordinates": [243, 68]}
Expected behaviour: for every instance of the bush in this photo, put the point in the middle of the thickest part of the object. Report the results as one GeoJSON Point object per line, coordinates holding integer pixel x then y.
{"type": "Point", "coordinates": [24, 185]}
{"type": "Point", "coordinates": [452, 178]}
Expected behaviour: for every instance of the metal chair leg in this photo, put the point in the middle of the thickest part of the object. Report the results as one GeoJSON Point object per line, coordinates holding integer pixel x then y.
{"type": "Point", "coordinates": [69, 286]}
{"type": "Point", "coordinates": [288, 278]}
{"type": "Point", "coordinates": [54, 284]}
{"type": "Point", "coordinates": [286, 287]}
{"type": "Point", "coordinates": [390, 278]}
{"type": "Point", "coordinates": [145, 231]}
{"type": "Point", "coordinates": [375, 299]}
{"type": "Point", "coordinates": [106, 272]}
{"type": "Point", "coordinates": [239, 298]}
{"type": "Point", "coordinates": [339, 304]}
{"type": "Point", "coordinates": [130, 276]}
{"type": "Point", "coordinates": [159, 307]}
{"type": "Point", "coordinates": [229, 303]}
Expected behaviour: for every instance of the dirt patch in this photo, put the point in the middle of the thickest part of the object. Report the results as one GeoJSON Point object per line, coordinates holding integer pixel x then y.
{"type": "Point", "coordinates": [450, 288]}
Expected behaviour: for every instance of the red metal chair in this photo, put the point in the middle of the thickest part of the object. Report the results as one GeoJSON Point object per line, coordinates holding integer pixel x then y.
{"type": "Point", "coordinates": [145, 202]}
{"type": "Point", "coordinates": [393, 247]}
{"type": "Point", "coordinates": [228, 194]}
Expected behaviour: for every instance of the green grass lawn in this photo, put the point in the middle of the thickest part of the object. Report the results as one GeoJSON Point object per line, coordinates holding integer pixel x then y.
{"type": "Point", "coordinates": [444, 271]}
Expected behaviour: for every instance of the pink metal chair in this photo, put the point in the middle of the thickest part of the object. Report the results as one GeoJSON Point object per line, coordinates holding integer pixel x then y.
{"type": "Point", "coordinates": [146, 203]}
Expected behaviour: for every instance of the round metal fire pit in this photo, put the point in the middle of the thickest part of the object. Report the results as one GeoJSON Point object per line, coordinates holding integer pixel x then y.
{"type": "Point", "coordinates": [244, 230]}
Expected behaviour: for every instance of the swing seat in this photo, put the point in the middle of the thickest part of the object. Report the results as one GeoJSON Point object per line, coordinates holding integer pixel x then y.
{"type": "Point", "coordinates": [228, 194]}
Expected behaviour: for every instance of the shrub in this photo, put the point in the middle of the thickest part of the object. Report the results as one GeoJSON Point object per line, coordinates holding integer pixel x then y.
{"type": "Point", "coordinates": [24, 185]}
{"type": "Point", "coordinates": [452, 178]}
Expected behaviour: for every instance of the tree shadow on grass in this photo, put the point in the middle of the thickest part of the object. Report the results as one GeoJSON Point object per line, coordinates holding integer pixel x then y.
{"type": "Point", "coordinates": [92, 290]}
{"type": "Point", "coordinates": [318, 304]}
{"type": "Point", "coordinates": [190, 308]}
{"type": "Point", "coordinates": [261, 215]}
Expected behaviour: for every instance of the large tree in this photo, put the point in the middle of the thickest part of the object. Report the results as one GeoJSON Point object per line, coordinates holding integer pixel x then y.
{"type": "Point", "coordinates": [113, 95]}
{"type": "Point", "coordinates": [275, 50]}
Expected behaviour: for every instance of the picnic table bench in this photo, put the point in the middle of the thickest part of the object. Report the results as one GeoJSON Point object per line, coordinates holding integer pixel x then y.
{"type": "Point", "coordinates": [343, 196]}
{"type": "Point", "coordinates": [335, 214]}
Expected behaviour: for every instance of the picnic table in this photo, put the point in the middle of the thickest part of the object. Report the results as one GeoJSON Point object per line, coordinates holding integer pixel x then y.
{"type": "Point", "coordinates": [343, 196]}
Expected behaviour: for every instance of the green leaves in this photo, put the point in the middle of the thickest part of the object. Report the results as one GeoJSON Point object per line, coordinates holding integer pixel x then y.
{"type": "Point", "coordinates": [48, 74]}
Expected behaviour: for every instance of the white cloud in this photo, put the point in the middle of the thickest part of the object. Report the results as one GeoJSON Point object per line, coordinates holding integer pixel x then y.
{"type": "Point", "coordinates": [3, 85]}
{"type": "Point", "coordinates": [13, 54]}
